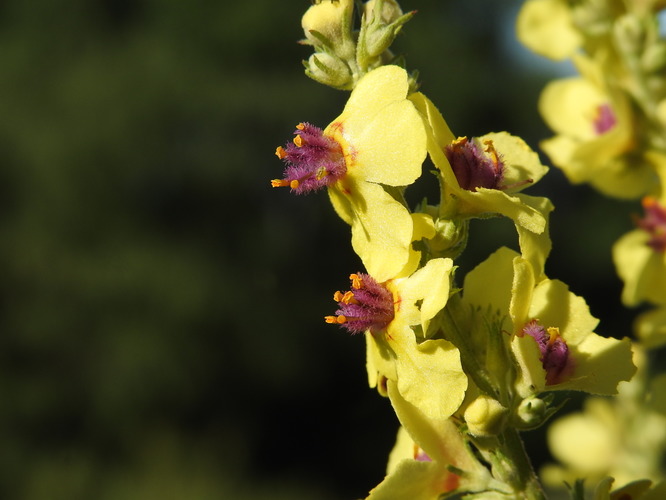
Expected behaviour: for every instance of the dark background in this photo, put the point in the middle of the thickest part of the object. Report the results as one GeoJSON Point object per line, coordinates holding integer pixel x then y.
{"type": "Point", "coordinates": [161, 332]}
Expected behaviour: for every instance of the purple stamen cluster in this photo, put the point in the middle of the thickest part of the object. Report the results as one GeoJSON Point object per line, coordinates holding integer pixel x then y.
{"type": "Point", "coordinates": [605, 119]}
{"type": "Point", "coordinates": [472, 166]}
{"type": "Point", "coordinates": [368, 306]}
{"type": "Point", "coordinates": [554, 351]}
{"type": "Point", "coordinates": [313, 160]}
{"type": "Point", "coordinates": [654, 223]}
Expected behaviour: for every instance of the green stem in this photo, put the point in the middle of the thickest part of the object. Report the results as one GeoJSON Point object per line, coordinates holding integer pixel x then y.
{"type": "Point", "coordinates": [515, 467]}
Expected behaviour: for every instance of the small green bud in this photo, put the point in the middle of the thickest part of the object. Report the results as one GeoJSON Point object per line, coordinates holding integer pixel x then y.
{"type": "Point", "coordinates": [629, 34]}
{"type": "Point", "coordinates": [654, 57]}
{"type": "Point", "coordinates": [381, 23]}
{"type": "Point", "coordinates": [592, 17]}
{"type": "Point", "coordinates": [531, 413]}
{"type": "Point", "coordinates": [450, 238]}
{"type": "Point", "coordinates": [329, 70]}
{"type": "Point", "coordinates": [390, 10]}
{"type": "Point", "coordinates": [485, 416]}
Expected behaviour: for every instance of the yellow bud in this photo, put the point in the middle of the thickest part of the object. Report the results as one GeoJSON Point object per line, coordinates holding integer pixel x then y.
{"type": "Point", "coordinates": [485, 416]}
{"type": "Point", "coordinates": [328, 17]}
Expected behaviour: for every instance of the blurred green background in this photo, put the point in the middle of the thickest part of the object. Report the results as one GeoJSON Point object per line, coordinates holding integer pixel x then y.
{"type": "Point", "coordinates": [161, 332]}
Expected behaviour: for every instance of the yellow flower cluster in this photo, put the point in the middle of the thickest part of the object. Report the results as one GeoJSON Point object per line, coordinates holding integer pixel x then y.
{"type": "Point", "coordinates": [610, 131]}
{"type": "Point", "coordinates": [465, 368]}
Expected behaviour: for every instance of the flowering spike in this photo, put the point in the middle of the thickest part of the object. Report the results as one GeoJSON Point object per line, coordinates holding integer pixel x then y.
{"type": "Point", "coordinates": [369, 306]}
{"type": "Point", "coordinates": [313, 160]}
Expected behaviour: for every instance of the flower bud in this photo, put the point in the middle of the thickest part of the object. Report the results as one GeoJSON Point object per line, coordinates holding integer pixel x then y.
{"type": "Point", "coordinates": [390, 10]}
{"type": "Point", "coordinates": [531, 413]}
{"type": "Point", "coordinates": [382, 20]}
{"type": "Point", "coordinates": [654, 58]}
{"type": "Point", "coordinates": [450, 237]}
{"type": "Point", "coordinates": [329, 70]}
{"type": "Point", "coordinates": [328, 18]}
{"type": "Point", "coordinates": [485, 416]}
{"type": "Point", "coordinates": [629, 34]}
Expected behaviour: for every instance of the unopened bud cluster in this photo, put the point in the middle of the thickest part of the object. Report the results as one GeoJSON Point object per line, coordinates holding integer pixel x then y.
{"type": "Point", "coordinates": [343, 53]}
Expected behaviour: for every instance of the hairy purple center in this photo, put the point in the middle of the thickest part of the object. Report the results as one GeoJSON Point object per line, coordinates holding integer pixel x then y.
{"type": "Point", "coordinates": [313, 160]}
{"type": "Point", "coordinates": [554, 351]}
{"type": "Point", "coordinates": [474, 167]}
{"type": "Point", "coordinates": [605, 119]}
{"type": "Point", "coordinates": [654, 223]}
{"type": "Point", "coordinates": [367, 306]}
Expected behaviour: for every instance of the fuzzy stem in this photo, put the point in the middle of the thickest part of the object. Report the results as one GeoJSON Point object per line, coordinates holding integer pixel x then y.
{"type": "Point", "coordinates": [518, 466]}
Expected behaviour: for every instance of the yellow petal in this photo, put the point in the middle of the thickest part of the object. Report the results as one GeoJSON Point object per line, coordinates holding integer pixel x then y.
{"type": "Point", "coordinates": [430, 286]}
{"type": "Point", "coordinates": [498, 270]}
{"type": "Point", "coordinates": [382, 130]}
{"type": "Point", "coordinates": [569, 106]}
{"type": "Point", "coordinates": [651, 328]}
{"type": "Point", "coordinates": [536, 247]}
{"type": "Point", "coordinates": [546, 27]}
{"type": "Point", "coordinates": [429, 375]}
{"type": "Point", "coordinates": [381, 230]}
{"type": "Point", "coordinates": [584, 441]}
{"type": "Point", "coordinates": [554, 305]}
{"type": "Point", "coordinates": [642, 269]}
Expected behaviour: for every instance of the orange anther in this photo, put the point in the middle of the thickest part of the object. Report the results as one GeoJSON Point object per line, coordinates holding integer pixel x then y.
{"type": "Point", "coordinates": [280, 152]}
{"type": "Point", "coordinates": [648, 201]}
{"type": "Point", "coordinates": [459, 142]}
{"type": "Point", "coordinates": [294, 184]}
{"type": "Point", "coordinates": [335, 320]}
{"type": "Point", "coordinates": [301, 126]}
{"type": "Point", "coordinates": [337, 296]}
{"type": "Point", "coordinates": [490, 149]}
{"type": "Point", "coordinates": [356, 280]}
{"type": "Point", "coordinates": [348, 298]}
{"type": "Point", "coordinates": [298, 140]}
{"type": "Point", "coordinates": [279, 183]}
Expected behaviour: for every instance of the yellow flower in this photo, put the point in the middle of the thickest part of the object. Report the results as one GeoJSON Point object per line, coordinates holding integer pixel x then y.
{"type": "Point", "coordinates": [650, 328]}
{"type": "Point", "coordinates": [640, 257]}
{"type": "Point", "coordinates": [623, 437]}
{"type": "Point", "coordinates": [423, 375]}
{"type": "Point", "coordinates": [553, 338]}
{"type": "Point", "coordinates": [379, 139]}
{"type": "Point", "coordinates": [484, 176]}
{"type": "Point", "coordinates": [593, 126]}
{"type": "Point", "coordinates": [547, 28]}
{"type": "Point", "coordinates": [414, 474]}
